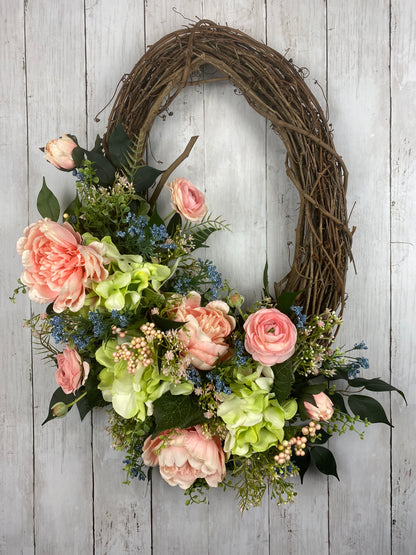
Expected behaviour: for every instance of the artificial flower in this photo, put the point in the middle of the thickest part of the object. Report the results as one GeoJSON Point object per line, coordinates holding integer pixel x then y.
{"type": "Point", "coordinates": [187, 200]}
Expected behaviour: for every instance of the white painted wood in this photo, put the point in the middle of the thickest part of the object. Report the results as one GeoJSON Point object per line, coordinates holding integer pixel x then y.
{"type": "Point", "coordinates": [56, 104]}
{"type": "Point", "coordinates": [16, 482]}
{"type": "Point", "coordinates": [297, 29]}
{"type": "Point", "coordinates": [358, 91]}
{"type": "Point", "coordinates": [403, 272]}
{"type": "Point", "coordinates": [77, 493]}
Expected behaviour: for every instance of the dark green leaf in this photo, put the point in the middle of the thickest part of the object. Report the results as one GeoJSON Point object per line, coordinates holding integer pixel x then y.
{"type": "Point", "coordinates": [315, 388]}
{"type": "Point", "coordinates": [266, 279]}
{"type": "Point", "coordinates": [49, 309]}
{"type": "Point", "coordinates": [48, 205]}
{"type": "Point", "coordinates": [58, 397]}
{"type": "Point", "coordinates": [302, 463]}
{"type": "Point", "coordinates": [176, 411]}
{"type": "Point", "coordinates": [78, 156]}
{"type": "Point", "coordinates": [155, 219]}
{"type": "Point", "coordinates": [104, 169]}
{"type": "Point", "coordinates": [173, 224]}
{"type": "Point", "coordinates": [285, 301]}
{"type": "Point", "coordinates": [144, 178]}
{"type": "Point", "coordinates": [367, 407]}
{"type": "Point", "coordinates": [324, 461]}
{"type": "Point", "coordinates": [283, 380]}
{"type": "Point", "coordinates": [119, 144]}
{"type": "Point", "coordinates": [375, 384]}
{"type": "Point", "coordinates": [339, 403]}
{"type": "Point", "coordinates": [200, 236]}
{"type": "Point", "coordinates": [97, 145]}
{"type": "Point", "coordinates": [166, 324]}
{"type": "Point", "coordinates": [73, 208]}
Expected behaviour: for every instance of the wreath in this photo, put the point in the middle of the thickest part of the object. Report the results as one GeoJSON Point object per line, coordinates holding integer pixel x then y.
{"type": "Point", "coordinates": [213, 392]}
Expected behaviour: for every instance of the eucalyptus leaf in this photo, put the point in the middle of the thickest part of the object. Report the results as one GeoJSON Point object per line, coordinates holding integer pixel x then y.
{"type": "Point", "coordinates": [180, 411]}
{"type": "Point", "coordinates": [368, 408]}
{"type": "Point", "coordinates": [47, 203]}
{"type": "Point", "coordinates": [283, 380]}
{"type": "Point", "coordinates": [324, 461]}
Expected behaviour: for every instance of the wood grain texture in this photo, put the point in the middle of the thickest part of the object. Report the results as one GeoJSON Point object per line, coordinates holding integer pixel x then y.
{"type": "Point", "coordinates": [403, 271]}
{"type": "Point", "coordinates": [358, 92]}
{"type": "Point", "coordinates": [61, 484]}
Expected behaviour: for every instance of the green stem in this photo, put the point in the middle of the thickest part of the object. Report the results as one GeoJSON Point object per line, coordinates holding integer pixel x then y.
{"type": "Point", "coordinates": [76, 400]}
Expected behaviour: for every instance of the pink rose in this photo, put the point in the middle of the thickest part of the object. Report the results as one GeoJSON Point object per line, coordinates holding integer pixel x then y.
{"type": "Point", "coordinates": [187, 200]}
{"type": "Point", "coordinates": [57, 266]}
{"type": "Point", "coordinates": [59, 152]}
{"type": "Point", "coordinates": [185, 455]}
{"type": "Point", "coordinates": [270, 336]}
{"type": "Point", "coordinates": [323, 409]}
{"type": "Point", "coordinates": [72, 372]}
{"type": "Point", "coordinates": [205, 331]}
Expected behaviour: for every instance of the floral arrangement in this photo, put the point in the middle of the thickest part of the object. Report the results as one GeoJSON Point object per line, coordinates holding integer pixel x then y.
{"type": "Point", "coordinates": [212, 392]}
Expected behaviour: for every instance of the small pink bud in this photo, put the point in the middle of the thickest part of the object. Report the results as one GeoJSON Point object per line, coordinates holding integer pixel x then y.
{"type": "Point", "coordinates": [235, 300]}
{"type": "Point", "coordinates": [59, 152]}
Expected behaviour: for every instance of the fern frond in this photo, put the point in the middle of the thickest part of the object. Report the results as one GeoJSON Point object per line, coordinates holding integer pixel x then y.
{"type": "Point", "coordinates": [134, 157]}
{"type": "Point", "coordinates": [202, 230]}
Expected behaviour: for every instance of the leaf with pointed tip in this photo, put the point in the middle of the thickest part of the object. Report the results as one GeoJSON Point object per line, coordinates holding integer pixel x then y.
{"type": "Point", "coordinates": [104, 169]}
{"type": "Point", "coordinates": [266, 279]}
{"type": "Point", "coordinates": [375, 384]}
{"type": "Point", "coordinates": [324, 461]}
{"type": "Point", "coordinates": [173, 224]}
{"type": "Point", "coordinates": [58, 397]}
{"type": "Point", "coordinates": [176, 411]}
{"type": "Point", "coordinates": [47, 203]}
{"type": "Point", "coordinates": [302, 463]}
{"type": "Point", "coordinates": [119, 144]}
{"type": "Point", "coordinates": [339, 402]}
{"type": "Point", "coordinates": [78, 156]}
{"type": "Point", "coordinates": [285, 301]}
{"type": "Point", "coordinates": [283, 380]}
{"type": "Point", "coordinates": [368, 408]}
{"type": "Point", "coordinates": [166, 324]}
{"type": "Point", "coordinates": [144, 178]}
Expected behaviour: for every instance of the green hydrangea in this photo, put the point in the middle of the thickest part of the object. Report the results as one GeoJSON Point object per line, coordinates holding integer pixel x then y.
{"type": "Point", "coordinates": [253, 417]}
{"type": "Point", "coordinates": [132, 395]}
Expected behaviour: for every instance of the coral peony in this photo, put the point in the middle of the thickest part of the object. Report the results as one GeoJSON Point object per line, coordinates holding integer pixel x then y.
{"type": "Point", "coordinates": [59, 152]}
{"type": "Point", "coordinates": [187, 200]}
{"type": "Point", "coordinates": [205, 331]}
{"type": "Point", "coordinates": [185, 455]}
{"type": "Point", "coordinates": [72, 372]}
{"type": "Point", "coordinates": [57, 266]}
{"type": "Point", "coordinates": [323, 409]}
{"type": "Point", "coordinates": [270, 336]}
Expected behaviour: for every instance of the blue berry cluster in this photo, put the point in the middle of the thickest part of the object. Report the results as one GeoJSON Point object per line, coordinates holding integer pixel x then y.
{"type": "Point", "coordinates": [354, 367]}
{"type": "Point", "coordinates": [213, 275]}
{"type": "Point", "coordinates": [182, 285]}
{"type": "Point", "coordinates": [58, 332]}
{"type": "Point", "coordinates": [98, 328]}
{"type": "Point", "coordinates": [300, 317]}
{"type": "Point", "coordinates": [193, 376]}
{"type": "Point", "coordinates": [120, 319]}
{"type": "Point", "coordinates": [219, 384]}
{"type": "Point", "coordinates": [240, 358]}
{"type": "Point", "coordinates": [361, 346]}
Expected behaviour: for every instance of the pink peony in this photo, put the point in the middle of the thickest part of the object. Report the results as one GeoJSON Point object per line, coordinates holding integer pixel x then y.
{"type": "Point", "coordinates": [205, 330]}
{"type": "Point", "coordinates": [59, 152]}
{"type": "Point", "coordinates": [270, 336]}
{"type": "Point", "coordinates": [57, 266]}
{"type": "Point", "coordinates": [185, 455]}
{"type": "Point", "coordinates": [72, 372]}
{"type": "Point", "coordinates": [323, 409]}
{"type": "Point", "coordinates": [187, 200]}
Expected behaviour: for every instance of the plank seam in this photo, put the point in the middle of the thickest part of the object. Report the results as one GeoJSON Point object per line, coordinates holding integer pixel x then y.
{"type": "Point", "coordinates": [390, 161]}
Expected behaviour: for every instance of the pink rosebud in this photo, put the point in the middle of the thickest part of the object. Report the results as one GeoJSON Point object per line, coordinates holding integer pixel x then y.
{"type": "Point", "coordinates": [186, 455]}
{"type": "Point", "coordinates": [57, 266]}
{"type": "Point", "coordinates": [323, 409]}
{"type": "Point", "coordinates": [205, 331]}
{"type": "Point", "coordinates": [59, 152]}
{"type": "Point", "coordinates": [235, 300]}
{"type": "Point", "coordinates": [187, 200]}
{"type": "Point", "coordinates": [72, 372]}
{"type": "Point", "coordinates": [59, 409]}
{"type": "Point", "coordinates": [270, 336]}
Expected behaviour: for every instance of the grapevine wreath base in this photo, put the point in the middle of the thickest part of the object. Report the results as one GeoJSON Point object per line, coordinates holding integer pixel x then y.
{"type": "Point", "coordinates": [213, 392]}
{"type": "Point", "coordinates": [276, 89]}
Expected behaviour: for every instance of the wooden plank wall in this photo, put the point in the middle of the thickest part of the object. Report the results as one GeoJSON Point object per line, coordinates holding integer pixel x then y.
{"type": "Point", "coordinates": [61, 485]}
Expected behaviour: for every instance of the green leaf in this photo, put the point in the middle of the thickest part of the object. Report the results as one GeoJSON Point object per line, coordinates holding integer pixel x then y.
{"type": "Point", "coordinates": [58, 397]}
{"type": "Point", "coordinates": [200, 236]}
{"type": "Point", "coordinates": [339, 403]}
{"type": "Point", "coordinates": [324, 437]}
{"type": "Point", "coordinates": [166, 324]}
{"type": "Point", "coordinates": [118, 145]}
{"type": "Point", "coordinates": [78, 156]}
{"type": "Point", "coordinates": [73, 208]}
{"type": "Point", "coordinates": [367, 407]}
{"type": "Point", "coordinates": [144, 178]}
{"type": "Point", "coordinates": [324, 461]}
{"type": "Point", "coordinates": [93, 398]}
{"type": "Point", "coordinates": [283, 379]}
{"type": "Point", "coordinates": [375, 384]}
{"type": "Point", "coordinates": [302, 463]}
{"type": "Point", "coordinates": [315, 389]}
{"type": "Point", "coordinates": [104, 169]}
{"type": "Point", "coordinates": [97, 145]}
{"type": "Point", "coordinates": [155, 219]}
{"type": "Point", "coordinates": [266, 279]}
{"type": "Point", "coordinates": [173, 224]}
{"type": "Point", "coordinates": [47, 203]}
{"type": "Point", "coordinates": [176, 411]}
{"type": "Point", "coordinates": [285, 301]}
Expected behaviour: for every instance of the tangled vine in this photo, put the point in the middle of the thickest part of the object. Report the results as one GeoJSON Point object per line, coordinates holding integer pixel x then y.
{"type": "Point", "coordinates": [276, 89]}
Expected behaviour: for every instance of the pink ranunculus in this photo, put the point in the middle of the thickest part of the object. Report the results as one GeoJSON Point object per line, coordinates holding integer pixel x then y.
{"type": "Point", "coordinates": [185, 455]}
{"type": "Point", "coordinates": [57, 266]}
{"type": "Point", "coordinates": [187, 199]}
{"type": "Point", "coordinates": [206, 329]}
{"type": "Point", "coordinates": [59, 152]}
{"type": "Point", "coordinates": [72, 372]}
{"type": "Point", "coordinates": [270, 336]}
{"type": "Point", "coordinates": [323, 409]}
